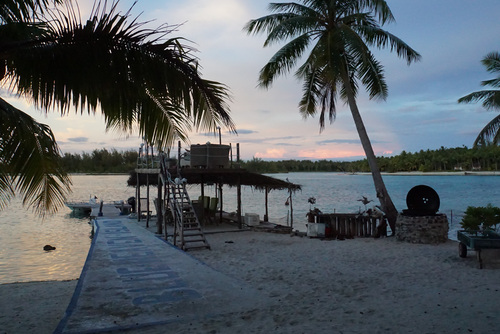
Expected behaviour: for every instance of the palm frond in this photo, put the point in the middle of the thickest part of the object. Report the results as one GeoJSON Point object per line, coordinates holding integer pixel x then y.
{"type": "Point", "coordinates": [492, 82]}
{"type": "Point", "coordinates": [378, 7]}
{"type": "Point", "coordinates": [373, 78]}
{"type": "Point", "coordinates": [490, 98]}
{"type": "Point", "coordinates": [283, 60]}
{"type": "Point", "coordinates": [492, 62]}
{"type": "Point", "coordinates": [490, 134]}
{"type": "Point", "coordinates": [23, 10]}
{"type": "Point", "coordinates": [311, 89]}
{"type": "Point", "coordinates": [30, 159]}
{"type": "Point", "coordinates": [381, 39]}
{"type": "Point", "coordinates": [120, 67]}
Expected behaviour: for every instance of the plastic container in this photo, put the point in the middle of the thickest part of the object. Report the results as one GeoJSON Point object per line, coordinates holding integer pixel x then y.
{"type": "Point", "coordinates": [252, 219]}
{"type": "Point", "coordinates": [316, 230]}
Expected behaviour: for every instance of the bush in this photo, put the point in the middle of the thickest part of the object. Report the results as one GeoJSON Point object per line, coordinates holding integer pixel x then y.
{"type": "Point", "coordinates": [481, 218]}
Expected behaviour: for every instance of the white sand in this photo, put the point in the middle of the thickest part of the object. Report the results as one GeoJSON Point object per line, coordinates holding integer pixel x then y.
{"type": "Point", "coordinates": [314, 286]}
{"type": "Point", "coordinates": [356, 286]}
{"type": "Point", "coordinates": [34, 307]}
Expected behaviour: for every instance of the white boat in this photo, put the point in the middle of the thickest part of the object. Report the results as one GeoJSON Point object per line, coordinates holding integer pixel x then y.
{"type": "Point", "coordinates": [83, 208]}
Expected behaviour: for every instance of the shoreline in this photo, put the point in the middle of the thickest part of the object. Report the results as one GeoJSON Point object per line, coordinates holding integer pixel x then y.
{"type": "Point", "coordinates": [459, 173]}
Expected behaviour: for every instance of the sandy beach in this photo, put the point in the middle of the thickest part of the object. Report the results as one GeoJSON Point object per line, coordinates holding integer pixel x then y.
{"type": "Point", "coordinates": [363, 285]}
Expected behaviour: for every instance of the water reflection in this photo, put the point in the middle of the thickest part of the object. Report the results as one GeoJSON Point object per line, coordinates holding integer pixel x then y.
{"type": "Point", "coordinates": [23, 234]}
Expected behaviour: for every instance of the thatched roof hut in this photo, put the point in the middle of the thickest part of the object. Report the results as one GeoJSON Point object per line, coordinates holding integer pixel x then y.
{"type": "Point", "coordinates": [227, 176]}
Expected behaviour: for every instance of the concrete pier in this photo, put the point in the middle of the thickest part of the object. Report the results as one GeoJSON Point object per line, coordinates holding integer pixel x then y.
{"type": "Point", "coordinates": [134, 281]}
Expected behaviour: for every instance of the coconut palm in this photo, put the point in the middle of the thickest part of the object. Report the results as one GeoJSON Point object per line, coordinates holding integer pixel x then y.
{"type": "Point", "coordinates": [140, 79]}
{"type": "Point", "coordinates": [491, 100]}
{"type": "Point", "coordinates": [337, 34]}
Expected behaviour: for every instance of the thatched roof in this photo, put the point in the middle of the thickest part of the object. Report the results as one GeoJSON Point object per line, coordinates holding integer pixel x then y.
{"type": "Point", "coordinates": [226, 176]}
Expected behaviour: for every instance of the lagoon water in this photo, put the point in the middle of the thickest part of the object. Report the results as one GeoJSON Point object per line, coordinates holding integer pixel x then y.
{"type": "Point", "coordinates": [23, 234]}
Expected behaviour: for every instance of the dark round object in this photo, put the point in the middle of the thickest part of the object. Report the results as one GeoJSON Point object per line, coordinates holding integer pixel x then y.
{"type": "Point", "coordinates": [131, 202]}
{"type": "Point", "coordinates": [462, 250]}
{"type": "Point", "coordinates": [422, 200]}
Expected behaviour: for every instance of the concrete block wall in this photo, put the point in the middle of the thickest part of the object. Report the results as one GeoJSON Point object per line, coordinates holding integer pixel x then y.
{"type": "Point", "coordinates": [422, 229]}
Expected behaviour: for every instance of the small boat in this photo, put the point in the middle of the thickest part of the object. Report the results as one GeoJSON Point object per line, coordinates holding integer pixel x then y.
{"type": "Point", "coordinates": [83, 208]}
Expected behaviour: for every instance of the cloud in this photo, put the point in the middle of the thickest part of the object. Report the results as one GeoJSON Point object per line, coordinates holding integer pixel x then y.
{"type": "Point", "coordinates": [339, 141]}
{"type": "Point", "coordinates": [330, 153]}
{"type": "Point", "coordinates": [272, 153]}
{"type": "Point", "coordinates": [246, 131]}
{"type": "Point", "coordinates": [269, 140]}
{"type": "Point", "coordinates": [286, 144]}
{"type": "Point", "coordinates": [79, 139]}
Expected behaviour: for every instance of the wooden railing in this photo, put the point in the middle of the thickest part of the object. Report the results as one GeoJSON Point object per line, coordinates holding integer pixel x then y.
{"type": "Point", "coordinates": [350, 225]}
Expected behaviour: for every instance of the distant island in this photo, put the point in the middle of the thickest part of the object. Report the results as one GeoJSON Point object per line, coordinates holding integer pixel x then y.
{"type": "Point", "coordinates": [457, 159]}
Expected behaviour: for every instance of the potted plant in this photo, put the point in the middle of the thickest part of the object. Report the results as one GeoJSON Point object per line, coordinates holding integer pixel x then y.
{"type": "Point", "coordinates": [312, 212]}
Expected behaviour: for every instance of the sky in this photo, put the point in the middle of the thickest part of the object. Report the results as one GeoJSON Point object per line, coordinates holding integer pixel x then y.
{"type": "Point", "coordinates": [420, 113]}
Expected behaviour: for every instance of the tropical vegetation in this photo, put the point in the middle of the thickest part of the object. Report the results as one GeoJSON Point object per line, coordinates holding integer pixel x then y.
{"type": "Point", "coordinates": [338, 35]}
{"type": "Point", "coordinates": [458, 159]}
{"type": "Point", "coordinates": [490, 134]}
{"type": "Point", "coordinates": [142, 80]}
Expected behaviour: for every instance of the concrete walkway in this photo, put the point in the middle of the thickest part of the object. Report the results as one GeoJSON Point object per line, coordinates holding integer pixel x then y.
{"type": "Point", "coordinates": [134, 280]}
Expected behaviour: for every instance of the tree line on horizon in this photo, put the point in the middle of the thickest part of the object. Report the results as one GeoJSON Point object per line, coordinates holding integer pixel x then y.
{"type": "Point", "coordinates": [485, 158]}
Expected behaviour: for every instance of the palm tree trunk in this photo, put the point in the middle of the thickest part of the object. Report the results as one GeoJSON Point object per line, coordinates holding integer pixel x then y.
{"type": "Point", "coordinates": [382, 194]}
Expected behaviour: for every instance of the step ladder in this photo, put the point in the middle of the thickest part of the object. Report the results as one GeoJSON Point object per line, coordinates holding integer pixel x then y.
{"type": "Point", "coordinates": [188, 233]}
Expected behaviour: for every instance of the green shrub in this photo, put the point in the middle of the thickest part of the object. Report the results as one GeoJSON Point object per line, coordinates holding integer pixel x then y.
{"type": "Point", "coordinates": [481, 218]}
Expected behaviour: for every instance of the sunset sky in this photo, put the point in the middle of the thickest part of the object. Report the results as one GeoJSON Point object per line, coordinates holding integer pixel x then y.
{"type": "Point", "coordinates": [421, 111]}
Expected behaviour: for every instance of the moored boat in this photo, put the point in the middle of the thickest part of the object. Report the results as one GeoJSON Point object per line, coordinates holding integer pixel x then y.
{"type": "Point", "coordinates": [83, 208]}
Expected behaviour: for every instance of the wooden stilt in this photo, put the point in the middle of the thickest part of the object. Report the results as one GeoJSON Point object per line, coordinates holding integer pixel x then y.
{"type": "Point", "coordinates": [238, 188]}
{"type": "Point", "coordinates": [159, 208]}
{"type": "Point", "coordinates": [147, 200]}
{"type": "Point", "coordinates": [138, 198]}
{"type": "Point", "coordinates": [220, 200]}
{"type": "Point", "coordinates": [266, 215]}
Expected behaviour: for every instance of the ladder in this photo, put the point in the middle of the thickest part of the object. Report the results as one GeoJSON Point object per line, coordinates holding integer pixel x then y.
{"type": "Point", "coordinates": [188, 233]}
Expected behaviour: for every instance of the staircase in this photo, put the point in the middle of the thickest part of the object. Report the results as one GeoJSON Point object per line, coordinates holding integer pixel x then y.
{"type": "Point", "coordinates": [188, 233]}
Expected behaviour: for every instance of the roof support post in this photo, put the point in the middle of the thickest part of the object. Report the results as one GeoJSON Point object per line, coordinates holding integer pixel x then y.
{"type": "Point", "coordinates": [147, 199]}
{"type": "Point", "coordinates": [240, 223]}
{"type": "Point", "coordinates": [202, 188]}
{"type": "Point", "coordinates": [266, 215]}
{"type": "Point", "coordinates": [159, 207]}
{"type": "Point", "coordinates": [138, 197]}
{"type": "Point", "coordinates": [291, 207]}
{"type": "Point", "coordinates": [220, 201]}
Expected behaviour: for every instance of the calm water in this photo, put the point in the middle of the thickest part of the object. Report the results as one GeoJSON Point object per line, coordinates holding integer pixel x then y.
{"type": "Point", "coordinates": [23, 235]}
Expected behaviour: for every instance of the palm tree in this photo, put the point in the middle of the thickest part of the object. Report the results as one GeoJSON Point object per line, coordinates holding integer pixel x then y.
{"type": "Point", "coordinates": [490, 134]}
{"type": "Point", "coordinates": [140, 80]}
{"type": "Point", "coordinates": [338, 34]}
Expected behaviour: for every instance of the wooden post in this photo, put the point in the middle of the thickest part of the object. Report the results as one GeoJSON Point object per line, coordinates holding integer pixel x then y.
{"type": "Point", "coordinates": [138, 198]}
{"type": "Point", "coordinates": [178, 158]}
{"type": "Point", "coordinates": [266, 215]}
{"type": "Point", "coordinates": [202, 185]}
{"type": "Point", "coordinates": [220, 201]}
{"type": "Point", "coordinates": [231, 153]}
{"type": "Point", "coordinates": [238, 154]}
{"type": "Point", "coordinates": [291, 207]}
{"type": "Point", "coordinates": [159, 207]}
{"type": "Point", "coordinates": [167, 207]}
{"type": "Point", "coordinates": [147, 199]}
{"type": "Point", "coordinates": [238, 210]}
